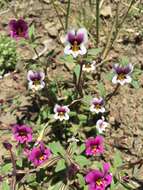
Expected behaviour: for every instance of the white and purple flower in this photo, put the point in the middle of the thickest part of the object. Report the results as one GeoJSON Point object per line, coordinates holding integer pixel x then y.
{"type": "Point", "coordinates": [89, 67]}
{"type": "Point", "coordinates": [61, 112]}
{"type": "Point", "coordinates": [76, 42]}
{"type": "Point", "coordinates": [97, 105]}
{"type": "Point", "coordinates": [36, 80]}
{"type": "Point", "coordinates": [101, 125]}
{"type": "Point", "coordinates": [122, 74]}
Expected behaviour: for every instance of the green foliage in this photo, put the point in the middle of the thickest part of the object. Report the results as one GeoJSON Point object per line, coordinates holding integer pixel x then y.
{"type": "Point", "coordinates": [5, 186]}
{"type": "Point", "coordinates": [8, 54]}
{"type": "Point", "coordinates": [101, 89]}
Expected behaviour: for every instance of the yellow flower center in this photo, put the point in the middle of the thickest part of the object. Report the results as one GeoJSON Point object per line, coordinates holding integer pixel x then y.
{"type": "Point", "coordinates": [41, 158]}
{"type": "Point", "coordinates": [36, 82]}
{"type": "Point", "coordinates": [61, 113]}
{"type": "Point", "coordinates": [99, 182]}
{"type": "Point", "coordinates": [75, 46]}
{"type": "Point", "coordinates": [121, 76]}
{"type": "Point", "coordinates": [94, 149]}
{"type": "Point", "coordinates": [97, 106]}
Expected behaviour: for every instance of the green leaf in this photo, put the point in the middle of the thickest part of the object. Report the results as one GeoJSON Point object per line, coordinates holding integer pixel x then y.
{"type": "Point", "coordinates": [56, 148]}
{"type": "Point", "coordinates": [117, 159]}
{"type": "Point", "coordinates": [81, 180]}
{"type": "Point", "coordinates": [101, 89]}
{"type": "Point", "coordinates": [82, 160]}
{"type": "Point", "coordinates": [5, 186]}
{"type": "Point", "coordinates": [60, 165]}
{"type": "Point", "coordinates": [68, 61]}
{"type": "Point", "coordinates": [94, 51]}
{"type": "Point", "coordinates": [77, 71]}
{"type": "Point", "coordinates": [82, 117]}
{"type": "Point", "coordinates": [124, 61]}
{"type": "Point", "coordinates": [135, 84]}
{"type": "Point", "coordinates": [6, 168]}
{"type": "Point", "coordinates": [81, 148]}
{"type": "Point", "coordinates": [32, 31]}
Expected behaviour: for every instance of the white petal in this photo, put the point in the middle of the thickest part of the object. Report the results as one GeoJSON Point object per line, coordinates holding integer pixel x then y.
{"type": "Point", "coordinates": [84, 32]}
{"type": "Point", "coordinates": [128, 79]}
{"type": "Point", "coordinates": [42, 84]}
{"type": "Point", "coordinates": [56, 116]}
{"type": "Point", "coordinates": [131, 67]}
{"type": "Point", "coordinates": [66, 109]}
{"type": "Point", "coordinates": [66, 117]}
{"type": "Point", "coordinates": [29, 74]}
{"type": "Point", "coordinates": [121, 82]}
{"type": "Point", "coordinates": [114, 79]}
{"type": "Point", "coordinates": [67, 49]}
{"type": "Point", "coordinates": [56, 107]}
{"type": "Point", "coordinates": [75, 53]}
{"type": "Point", "coordinates": [30, 84]}
{"type": "Point", "coordinates": [102, 109]}
{"type": "Point", "coordinates": [83, 49]}
{"type": "Point", "coordinates": [42, 74]}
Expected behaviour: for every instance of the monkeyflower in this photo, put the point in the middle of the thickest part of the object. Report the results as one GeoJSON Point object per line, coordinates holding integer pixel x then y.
{"type": "Point", "coordinates": [18, 29]}
{"type": "Point", "coordinates": [94, 146]}
{"type": "Point", "coordinates": [61, 112]}
{"type": "Point", "coordinates": [99, 180]}
{"type": "Point", "coordinates": [122, 74]}
{"type": "Point", "coordinates": [36, 80]}
{"type": "Point", "coordinates": [89, 67]}
{"type": "Point", "coordinates": [76, 42]}
{"type": "Point", "coordinates": [39, 154]}
{"type": "Point", "coordinates": [97, 105]}
{"type": "Point", "coordinates": [22, 133]}
{"type": "Point", "coordinates": [101, 124]}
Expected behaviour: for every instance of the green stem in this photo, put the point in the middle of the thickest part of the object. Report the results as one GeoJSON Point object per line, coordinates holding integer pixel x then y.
{"type": "Point", "coordinates": [67, 16]}
{"type": "Point", "coordinates": [79, 87]}
{"type": "Point", "coordinates": [97, 22]}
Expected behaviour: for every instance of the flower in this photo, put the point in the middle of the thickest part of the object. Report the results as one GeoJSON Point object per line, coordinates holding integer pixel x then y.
{"type": "Point", "coordinates": [99, 180]}
{"type": "Point", "coordinates": [97, 105]}
{"type": "Point", "coordinates": [61, 112]}
{"type": "Point", "coordinates": [7, 145]}
{"type": "Point", "coordinates": [18, 29]}
{"type": "Point", "coordinates": [36, 80]}
{"type": "Point", "coordinates": [122, 74]}
{"type": "Point", "coordinates": [101, 124]}
{"type": "Point", "coordinates": [89, 67]}
{"type": "Point", "coordinates": [94, 146]}
{"type": "Point", "coordinates": [22, 133]}
{"type": "Point", "coordinates": [39, 154]}
{"type": "Point", "coordinates": [76, 42]}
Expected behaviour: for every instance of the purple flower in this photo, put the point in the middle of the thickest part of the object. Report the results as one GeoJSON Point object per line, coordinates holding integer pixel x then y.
{"type": "Point", "coordinates": [22, 133]}
{"type": "Point", "coordinates": [99, 180]}
{"type": "Point", "coordinates": [61, 112]}
{"type": "Point", "coordinates": [94, 146]}
{"type": "Point", "coordinates": [7, 145]}
{"type": "Point", "coordinates": [39, 154]}
{"type": "Point", "coordinates": [122, 74]}
{"type": "Point", "coordinates": [76, 42]}
{"type": "Point", "coordinates": [18, 29]}
{"type": "Point", "coordinates": [97, 105]}
{"type": "Point", "coordinates": [36, 80]}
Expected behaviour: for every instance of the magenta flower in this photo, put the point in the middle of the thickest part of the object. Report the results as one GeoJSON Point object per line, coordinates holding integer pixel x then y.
{"type": "Point", "coordinates": [22, 133]}
{"type": "Point", "coordinates": [94, 146]}
{"type": "Point", "coordinates": [76, 42]}
{"type": "Point", "coordinates": [122, 74]}
{"type": "Point", "coordinates": [39, 154]}
{"type": "Point", "coordinates": [36, 80]}
{"type": "Point", "coordinates": [18, 29]}
{"type": "Point", "coordinates": [99, 180]}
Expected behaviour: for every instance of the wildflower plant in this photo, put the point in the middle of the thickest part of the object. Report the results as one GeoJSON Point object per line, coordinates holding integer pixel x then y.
{"type": "Point", "coordinates": [63, 144]}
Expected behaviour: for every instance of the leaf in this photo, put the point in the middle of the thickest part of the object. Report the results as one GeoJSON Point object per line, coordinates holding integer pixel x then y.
{"type": "Point", "coordinates": [5, 186]}
{"type": "Point", "coordinates": [82, 117]}
{"type": "Point", "coordinates": [94, 51]}
{"type": "Point", "coordinates": [81, 148]}
{"type": "Point", "coordinates": [135, 84]}
{"type": "Point", "coordinates": [81, 180]}
{"type": "Point", "coordinates": [6, 168]}
{"type": "Point", "coordinates": [31, 31]}
{"type": "Point", "coordinates": [68, 61]}
{"type": "Point", "coordinates": [101, 89]}
{"type": "Point", "coordinates": [124, 61]}
{"type": "Point", "coordinates": [56, 148]}
{"type": "Point", "coordinates": [77, 71]}
{"type": "Point", "coordinates": [82, 160]}
{"type": "Point", "coordinates": [117, 159]}
{"type": "Point", "coordinates": [60, 165]}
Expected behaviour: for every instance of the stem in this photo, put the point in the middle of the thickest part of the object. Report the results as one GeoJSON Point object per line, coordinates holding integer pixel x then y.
{"type": "Point", "coordinates": [79, 87]}
{"type": "Point", "coordinates": [14, 171]}
{"type": "Point", "coordinates": [67, 16]}
{"type": "Point", "coordinates": [97, 22]}
{"type": "Point", "coordinates": [60, 20]}
{"type": "Point", "coordinates": [109, 96]}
